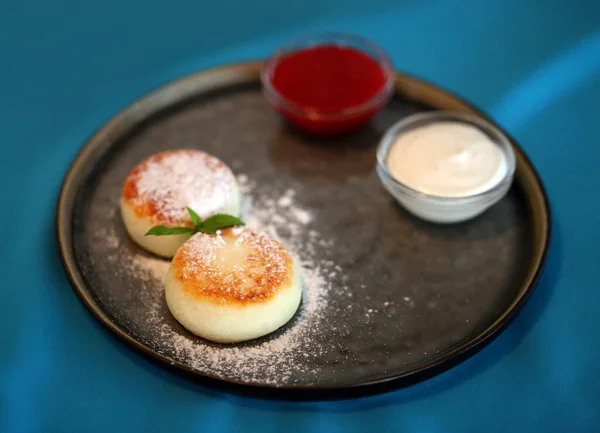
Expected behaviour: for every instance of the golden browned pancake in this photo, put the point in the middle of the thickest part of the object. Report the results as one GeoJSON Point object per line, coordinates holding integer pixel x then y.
{"type": "Point", "coordinates": [160, 188]}
{"type": "Point", "coordinates": [234, 286]}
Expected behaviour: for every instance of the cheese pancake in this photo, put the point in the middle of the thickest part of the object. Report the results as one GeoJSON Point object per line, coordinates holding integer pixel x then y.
{"type": "Point", "coordinates": [234, 286]}
{"type": "Point", "coordinates": [160, 188]}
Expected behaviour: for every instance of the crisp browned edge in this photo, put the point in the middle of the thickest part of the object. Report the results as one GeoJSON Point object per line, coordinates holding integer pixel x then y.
{"type": "Point", "coordinates": [187, 87]}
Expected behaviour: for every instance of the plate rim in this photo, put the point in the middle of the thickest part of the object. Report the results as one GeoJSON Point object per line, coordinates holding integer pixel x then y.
{"type": "Point", "coordinates": [188, 86]}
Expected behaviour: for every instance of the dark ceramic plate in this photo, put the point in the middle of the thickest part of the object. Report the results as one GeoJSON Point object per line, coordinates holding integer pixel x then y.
{"type": "Point", "coordinates": [400, 300]}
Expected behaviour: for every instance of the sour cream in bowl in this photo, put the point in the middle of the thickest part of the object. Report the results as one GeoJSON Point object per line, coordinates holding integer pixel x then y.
{"type": "Point", "coordinates": [445, 167]}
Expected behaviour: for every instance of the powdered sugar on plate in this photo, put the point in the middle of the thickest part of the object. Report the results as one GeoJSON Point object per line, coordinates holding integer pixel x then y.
{"type": "Point", "coordinates": [275, 359]}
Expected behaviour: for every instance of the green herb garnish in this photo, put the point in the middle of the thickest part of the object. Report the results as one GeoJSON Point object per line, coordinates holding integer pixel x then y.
{"type": "Point", "coordinates": [209, 226]}
{"type": "Point", "coordinates": [165, 231]}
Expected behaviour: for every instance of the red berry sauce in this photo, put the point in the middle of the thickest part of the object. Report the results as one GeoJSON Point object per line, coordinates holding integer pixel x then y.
{"type": "Point", "coordinates": [324, 81]}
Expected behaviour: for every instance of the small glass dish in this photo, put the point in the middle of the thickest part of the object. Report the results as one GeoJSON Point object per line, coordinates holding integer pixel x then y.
{"type": "Point", "coordinates": [441, 209]}
{"type": "Point", "coordinates": [328, 122]}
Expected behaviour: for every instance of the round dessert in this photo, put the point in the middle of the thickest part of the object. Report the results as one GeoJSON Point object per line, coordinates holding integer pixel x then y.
{"type": "Point", "coordinates": [234, 286]}
{"type": "Point", "coordinates": [159, 190]}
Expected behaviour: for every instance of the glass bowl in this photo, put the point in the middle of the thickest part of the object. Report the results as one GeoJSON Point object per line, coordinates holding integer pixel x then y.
{"type": "Point", "coordinates": [442, 209]}
{"type": "Point", "coordinates": [328, 122]}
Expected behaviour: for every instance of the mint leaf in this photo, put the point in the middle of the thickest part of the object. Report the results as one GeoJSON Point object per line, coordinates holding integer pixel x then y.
{"type": "Point", "coordinates": [209, 226]}
{"type": "Point", "coordinates": [195, 218]}
{"type": "Point", "coordinates": [218, 222]}
{"type": "Point", "coordinates": [164, 231]}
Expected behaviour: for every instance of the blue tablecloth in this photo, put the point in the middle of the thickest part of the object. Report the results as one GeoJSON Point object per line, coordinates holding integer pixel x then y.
{"type": "Point", "coordinates": [67, 66]}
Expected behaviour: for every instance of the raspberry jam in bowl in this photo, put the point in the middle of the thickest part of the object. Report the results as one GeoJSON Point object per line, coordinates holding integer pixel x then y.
{"type": "Point", "coordinates": [328, 84]}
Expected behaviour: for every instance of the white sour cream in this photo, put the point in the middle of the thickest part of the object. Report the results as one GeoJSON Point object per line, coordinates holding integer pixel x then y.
{"type": "Point", "coordinates": [447, 159]}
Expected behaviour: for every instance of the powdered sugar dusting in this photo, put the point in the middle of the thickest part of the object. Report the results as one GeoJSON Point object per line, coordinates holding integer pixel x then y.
{"type": "Point", "coordinates": [264, 266]}
{"type": "Point", "coordinates": [281, 357]}
{"type": "Point", "coordinates": [168, 182]}
{"type": "Point", "coordinates": [303, 216]}
{"type": "Point", "coordinates": [285, 200]}
{"type": "Point", "coordinates": [148, 268]}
